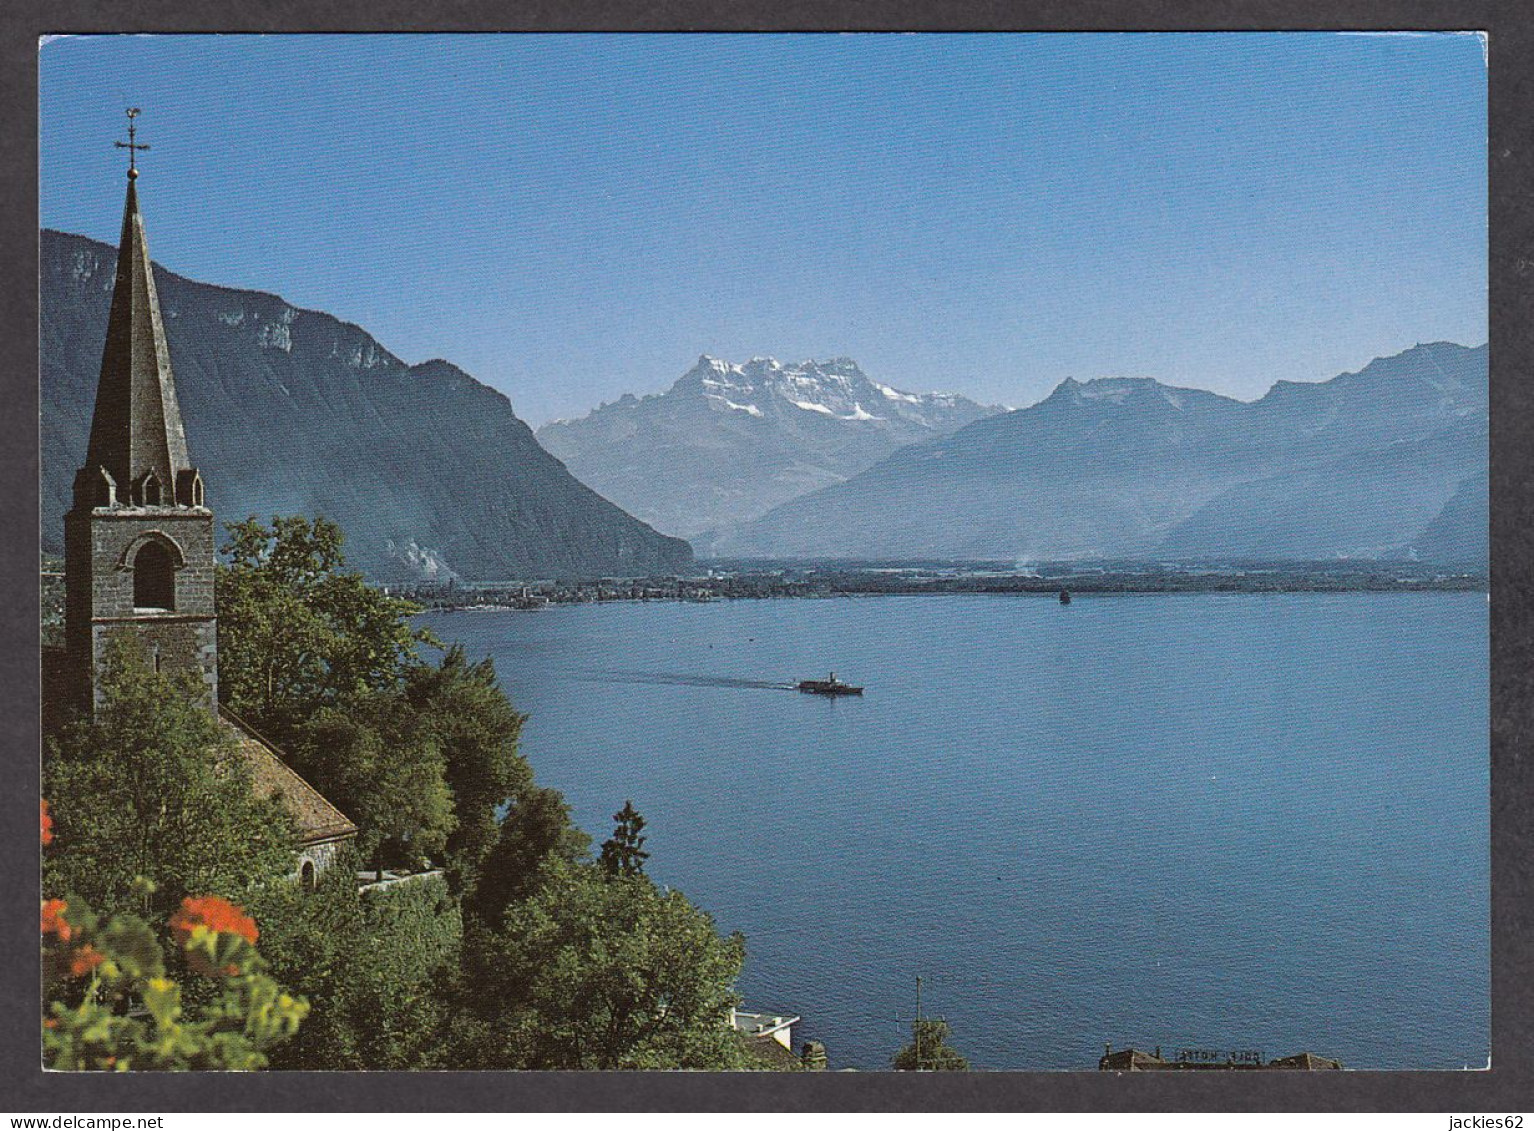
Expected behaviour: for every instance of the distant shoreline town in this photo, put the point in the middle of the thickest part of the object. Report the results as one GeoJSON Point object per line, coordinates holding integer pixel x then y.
{"type": "Point", "coordinates": [762, 581]}
{"type": "Point", "coordinates": [770, 581]}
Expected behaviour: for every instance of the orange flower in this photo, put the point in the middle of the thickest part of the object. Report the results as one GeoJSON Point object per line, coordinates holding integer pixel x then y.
{"type": "Point", "coordinates": [53, 919]}
{"type": "Point", "coordinates": [50, 1022]}
{"type": "Point", "coordinates": [217, 915]}
{"type": "Point", "coordinates": [213, 913]}
{"type": "Point", "coordinates": [45, 820]}
{"type": "Point", "coordinates": [84, 960]}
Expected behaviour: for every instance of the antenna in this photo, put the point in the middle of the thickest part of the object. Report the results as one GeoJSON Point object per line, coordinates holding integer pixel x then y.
{"type": "Point", "coordinates": [916, 1027]}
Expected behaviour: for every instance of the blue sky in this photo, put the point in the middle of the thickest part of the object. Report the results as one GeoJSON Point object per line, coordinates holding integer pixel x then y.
{"type": "Point", "coordinates": [570, 218]}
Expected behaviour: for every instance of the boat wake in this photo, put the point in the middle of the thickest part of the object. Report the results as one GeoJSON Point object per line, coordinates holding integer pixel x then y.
{"type": "Point", "coordinates": [602, 675]}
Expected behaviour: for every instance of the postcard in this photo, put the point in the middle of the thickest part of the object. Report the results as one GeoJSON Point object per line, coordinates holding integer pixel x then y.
{"type": "Point", "coordinates": [765, 552]}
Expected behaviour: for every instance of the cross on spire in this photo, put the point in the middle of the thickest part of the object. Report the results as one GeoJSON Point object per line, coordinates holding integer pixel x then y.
{"type": "Point", "coordinates": [131, 145]}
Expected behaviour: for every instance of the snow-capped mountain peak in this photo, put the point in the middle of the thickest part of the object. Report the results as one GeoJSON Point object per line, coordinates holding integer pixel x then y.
{"type": "Point", "coordinates": [753, 433]}
{"type": "Point", "coordinates": [835, 389]}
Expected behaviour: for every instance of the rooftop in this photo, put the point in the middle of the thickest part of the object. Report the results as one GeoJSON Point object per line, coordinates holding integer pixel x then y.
{"type": "Point", "coordinates": [317, 819]}
{"type": "Point", "coordinates": [1135, 1060]}
{"type": "Point", "coordinates": [761, 1024]}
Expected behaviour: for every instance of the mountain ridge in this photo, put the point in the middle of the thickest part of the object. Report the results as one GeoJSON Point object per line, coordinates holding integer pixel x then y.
{"type": "Point", "coordinates": [725, 442]}
{"type": "Point", "coordinates": [430, 472]}
{"type": "Point", "coordinates": [1113, 467]}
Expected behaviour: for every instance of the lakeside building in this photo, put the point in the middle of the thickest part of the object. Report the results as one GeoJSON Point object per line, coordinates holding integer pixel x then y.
{"type": "Point", "coordinates": [1135, 1060]}
{"type": "Point", "coordinates": [767, 1039]}
{"type": "Point", "coordinates": [139, 547]}
{"type": "Point", "coordinates": [765, 1026]}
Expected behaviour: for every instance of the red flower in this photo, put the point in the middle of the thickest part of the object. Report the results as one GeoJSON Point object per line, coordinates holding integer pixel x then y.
{"type": "Point", "coordinates": [213, 913]}
{"type": "Point", "coordinates": [84, 960]}
{"type": "Point", "coordinates": [216, 915]}
{"type": "Point", "coordinates": [45, 820]}
{"type": "Point", "coordinates": [53, 919]}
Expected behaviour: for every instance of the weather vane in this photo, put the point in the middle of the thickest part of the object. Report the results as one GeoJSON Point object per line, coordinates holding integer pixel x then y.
{"type": "Point", "coordinates": [131, 145]}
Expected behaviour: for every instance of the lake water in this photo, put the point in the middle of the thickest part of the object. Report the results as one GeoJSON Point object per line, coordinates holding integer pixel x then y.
{"type": "Point", "coordinates": [1223, 822]}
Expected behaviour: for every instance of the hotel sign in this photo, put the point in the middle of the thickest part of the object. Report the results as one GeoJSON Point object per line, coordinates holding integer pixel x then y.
{"type": "Point", "coordinates": [1219, 1056]}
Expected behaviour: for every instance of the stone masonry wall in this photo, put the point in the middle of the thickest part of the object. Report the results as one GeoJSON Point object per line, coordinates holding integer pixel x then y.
{"type": "Point", "coordinates": [100, 546]}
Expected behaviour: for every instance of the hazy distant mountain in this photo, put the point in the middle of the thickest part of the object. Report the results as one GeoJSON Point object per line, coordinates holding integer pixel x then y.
{"type": "Point", "coordinates": [1377, 502]}
{"type": "Point", "coordinates": [289, 411]}
{"type": "Point", "coordinates": [1461, 534]}
{"type": "Point", "coordinates": [1379, 462]}
{"type": "Point", "coordinates": [726, 443]}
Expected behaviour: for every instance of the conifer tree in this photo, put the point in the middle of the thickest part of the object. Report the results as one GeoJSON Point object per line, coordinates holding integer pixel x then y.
{"type": "Point", "coordinates": [623, 853]}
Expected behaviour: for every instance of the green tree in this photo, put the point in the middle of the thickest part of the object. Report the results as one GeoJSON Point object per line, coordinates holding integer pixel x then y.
{"type": "Point", "coordinates": [297, 630]}
{"type": "Point", "coordinates": [623, 853]}
{"type": "Point", "coordinates": [594, 971]}
{"type": "Point", "coordinates": [929, 1050]}
{"type": "Point", "coordinates": [535, 837]}
{"type": "Point", "coordinates": [421, 756]}
{"type": "Point", "coordinates": [313, 941]}
{"type": "Point", "coordinates": [372, 966]}
{"type": "Point", "coordinates": [154, 786]}
{"type": "Point", "coordinates": [463, 708]}
{"type": "Point", "coordinates": [376, 760]}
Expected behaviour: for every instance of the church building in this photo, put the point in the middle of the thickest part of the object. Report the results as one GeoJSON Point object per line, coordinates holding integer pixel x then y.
{"type": "Point", "coordinates": [139, 539]}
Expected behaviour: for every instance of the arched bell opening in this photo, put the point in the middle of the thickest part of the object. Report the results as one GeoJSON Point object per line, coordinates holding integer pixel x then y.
{"type": "Point", "coordinates": [189, 491]}
{"type": "Point", "coordinates": [154, 578]}
{"type": "Point", "coordinates": [150, 491]}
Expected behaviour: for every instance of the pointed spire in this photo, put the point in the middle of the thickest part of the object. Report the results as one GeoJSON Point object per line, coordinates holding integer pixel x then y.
{"type": "Point", "coordinates": [136, 432]}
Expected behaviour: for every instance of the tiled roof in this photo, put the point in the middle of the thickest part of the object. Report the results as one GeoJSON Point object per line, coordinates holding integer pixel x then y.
{"type": "Point", "coordinates": [766, 1053]}
{"type": "Point", "coordinates": [1133, 1060]}
{"type": "Point", "coordinates": [317, 819]}
{"type": "Point", "coordinates": [1306, 1060]}
{"type": "Point", "coordinates": [1129, 1060]}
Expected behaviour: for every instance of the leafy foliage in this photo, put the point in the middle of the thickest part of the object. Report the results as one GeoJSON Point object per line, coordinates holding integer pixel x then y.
{"type": "Point", "coordinates": [384, 769]}
{"type": "Point", "coordinates": [110, 1003]}
{"type": "Point", "coordinates": [929, 1050]}
{"type": "Point", "coordinates": [535, 836]}
{"type": "Point", "coordinates": [594, 971]}
{"type": "Point", "coordinates": [372, 964]}
{"type": "Point", "coordinates": [463, 709]}
{"type": "Point", "coordinates": [297, 630]}
{"type": "Point", "coordinates": [573, 963]}
{"type": "Point", "coordinates": [421, 756]}
{"type": "Point", "coordinates": [153, 787]}
{"type": "Point", "coordinates": [397, 995]}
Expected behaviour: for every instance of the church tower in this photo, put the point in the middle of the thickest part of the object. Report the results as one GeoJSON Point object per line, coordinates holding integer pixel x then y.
{"type": "Point", "coordinates": [138, 540]}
